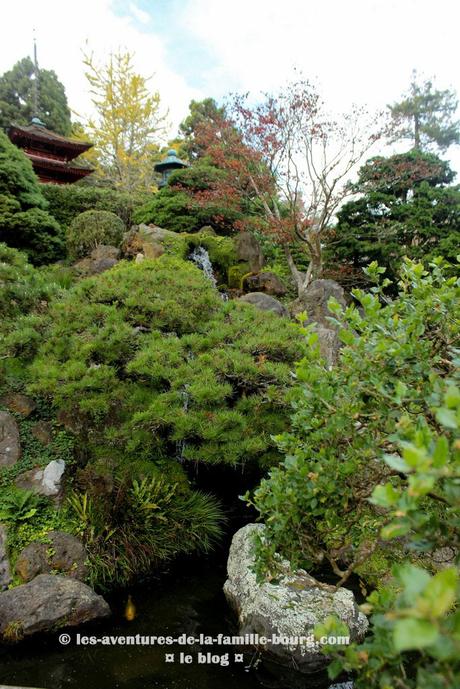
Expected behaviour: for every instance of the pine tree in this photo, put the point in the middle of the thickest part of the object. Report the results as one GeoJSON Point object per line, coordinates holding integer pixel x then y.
{"type": "Point", "coordinates": [424, 116]}
{"type": "Point", "coordinates": [17, 98]}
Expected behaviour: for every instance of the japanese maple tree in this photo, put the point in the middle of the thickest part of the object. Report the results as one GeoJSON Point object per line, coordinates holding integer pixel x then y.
{"type": "Point", "coordinates": [291, 161]}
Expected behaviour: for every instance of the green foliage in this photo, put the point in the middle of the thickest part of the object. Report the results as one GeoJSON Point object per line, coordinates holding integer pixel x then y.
{"type": "Point", "coordinates": [66, 201]}
{"type": "Point", "coordinates": [17, 505]}
{"type": "Point", "coordinates": [17, 98]}
{"type": "Point", "coordinates": [424, 116]}
{"type": "Point", "coordinates": [22, 287]}
{"type": "Point", "coordinates": [24, 222]}
{"type": "Point", "coordinates": [142, 524]}
{"type": "Point", "coordinates": [316, 504]}
{"type": "Point", "coordinates": [91, 228]}
{"type": "Point", "coordinates": [415, 619]}
{"type": "Point", "coordinates": [151, 364]}
{"type": "Point", "coordinates": [407, 209]}
{"type": "Point", "coordinates": [176, 207]}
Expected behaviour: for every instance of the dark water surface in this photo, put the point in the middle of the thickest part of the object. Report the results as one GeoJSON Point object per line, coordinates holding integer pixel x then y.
{"type": "Point", "coordinates": [189, 600]}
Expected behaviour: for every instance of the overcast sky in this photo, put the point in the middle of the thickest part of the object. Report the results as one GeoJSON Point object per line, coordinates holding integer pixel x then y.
{"type": "Point", "coordinates": [357, 51]}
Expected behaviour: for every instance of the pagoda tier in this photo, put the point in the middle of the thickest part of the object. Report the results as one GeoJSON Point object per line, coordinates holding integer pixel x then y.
{"type": "Point", "coordinates": [51, 154]}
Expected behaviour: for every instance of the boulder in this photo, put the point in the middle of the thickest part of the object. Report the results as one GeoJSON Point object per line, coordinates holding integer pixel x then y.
{"type": "Point", "coordinates": [146, 240]}
{"type": "Point", "coordinates": [47, 481]}
{"type": "Point", "coordinates": [266, 282]}
{"type": "Point", "coordinates": [47, 603]}
{"type": "Point", "coordinates": [10, 445]}
{"type": "Point", "coordinates": [289, 608]}
{"type": "Point", "coordinates": [64, 553]}
{"type": "Point", "coordinates": [102, 258]}
{"type": "Point", "coordinates": [16, 402]}
{"type": "Point", "coordinates": [249, 250]}
{"type": "Point", "coordinates": [314, 301]}
{"type": "Point", "coordinates": [264, 302]}
{"type": "Point", "coordinates": [5, 569]}
{"type": "Point", "coordinates": [329, 344]}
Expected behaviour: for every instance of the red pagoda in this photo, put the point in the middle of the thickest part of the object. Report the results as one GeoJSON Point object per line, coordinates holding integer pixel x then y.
{"type": "Point", "coordinates": [51, 154]}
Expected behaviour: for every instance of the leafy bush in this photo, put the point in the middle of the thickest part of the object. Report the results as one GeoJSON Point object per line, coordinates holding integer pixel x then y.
{"type": "Point", "coordinates": [91, 228]}
{"type": "Point", "coordinates": [24, 222]}
{"type": "Point", "coordinates": [415, 619]}
{"type": "Point", "coordinates": [19, 505]}
{"type": "Point", "coordinates": [150, 364]}
{"type": "Point", "coordinates": [316, 504]}
{"type": "Point", "coordinates": [66, 201]}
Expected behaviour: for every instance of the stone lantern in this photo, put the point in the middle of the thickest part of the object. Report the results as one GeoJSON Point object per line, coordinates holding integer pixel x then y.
{"type": "Point", "coordinates": [168, 165]}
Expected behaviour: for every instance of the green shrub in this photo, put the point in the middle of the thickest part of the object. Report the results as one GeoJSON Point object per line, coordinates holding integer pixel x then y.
{"type": "Point", "coordinates": [176, 208]}
{"type": "Point", "coordinates": [66, 201]}
{"type": "Point", "coordinates": [91, 228]}
{"type": "Point", "coordinates": [24, 222]}
{"type": "Point", "coordinates": [151, 364]}
{"type": "Point", "coordinates": [415, 619]}
{"type": "Point", "coordinates": [316, 504]}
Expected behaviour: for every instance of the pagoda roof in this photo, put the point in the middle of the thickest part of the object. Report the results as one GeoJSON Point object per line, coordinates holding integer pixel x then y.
{"type": "Point", "coordinates": [36, 133]}
{"type": "Point", "coordinates": [50, 169]}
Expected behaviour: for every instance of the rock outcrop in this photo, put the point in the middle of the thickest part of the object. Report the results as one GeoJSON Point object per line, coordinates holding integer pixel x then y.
{"type": "Point", "coordinates": [64, 554]}
{"type": "Point", "coordinates": [47, 481]}
{"type": "Point", "coordinates": [19, 403]}
{"type": "Point", "coordinates": [289, 608]}
{"type": "Point", "coordinates": [5, 569]}
{"type": "Point", "coordinates": [314, 301]}
{"type": "Point", "coordinates": [249, 250]}
{"type": "Point", "coordinates": [10, 445]}
{"type": "Point", "coordinates": [266, 282]}
{"type": "Point", "coordinates": [47, 603]}
{"type": "Point", "coordinates": [264, 302]}
{"type": "Point", "coordinates": [102, 258]}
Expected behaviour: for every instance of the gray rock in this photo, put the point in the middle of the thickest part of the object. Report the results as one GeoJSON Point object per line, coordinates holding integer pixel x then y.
{"type": "Point", "coordinates": [102, 258]}
{"type": "Point", "coordinates": [64, 553]}
{"type": "Point", "coordinates": [5, 570]}
{"type": "Point", "coordinates": [264, 302]}
{"type": "Point", "coordinates": [329, 344]}
{"type": "Point", "coordinates": [266, 282]}
{"type": "Point", "coordinates": [48, 603]}
{"type": "Point", "coordinates": [290, 608]}
{"type": "Point", "coordinates": [248, 249]}
{"type": "Point", "coordinates": [314, 301]}
{"type": "Point", "coordinates": [47, 481]}
{"type": "Point", "coordinates": [10, 445]}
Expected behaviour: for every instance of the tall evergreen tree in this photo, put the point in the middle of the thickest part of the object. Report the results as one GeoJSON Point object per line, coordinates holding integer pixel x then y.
{"type": "Point", "coordinates": [24, 222]}
{"type": "Point", "coordinates": [425, 116]}
{"type": "Point", "coordinates": [408, 208]}
{"type": "Point", "coordinates": [17, 98]}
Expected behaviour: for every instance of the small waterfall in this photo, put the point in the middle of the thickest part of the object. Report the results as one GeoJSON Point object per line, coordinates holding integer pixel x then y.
{"type": "Point", "coordinates": [200, 258]}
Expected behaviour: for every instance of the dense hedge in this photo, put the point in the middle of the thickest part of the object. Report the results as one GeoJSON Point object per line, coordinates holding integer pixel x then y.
{"type": "Point", "coordinates": [69, 200]}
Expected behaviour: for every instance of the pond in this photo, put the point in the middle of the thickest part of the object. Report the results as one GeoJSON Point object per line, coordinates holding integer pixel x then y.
{"type": "Point", "coordinates": [186, 600]}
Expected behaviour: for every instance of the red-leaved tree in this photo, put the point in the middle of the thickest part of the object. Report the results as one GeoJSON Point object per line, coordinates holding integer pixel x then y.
{"type": "Point", "coordinates": [292, 161]}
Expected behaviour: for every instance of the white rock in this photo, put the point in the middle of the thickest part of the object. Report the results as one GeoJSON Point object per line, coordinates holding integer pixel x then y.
{"type": "Point", "coordinates": [289, 608]}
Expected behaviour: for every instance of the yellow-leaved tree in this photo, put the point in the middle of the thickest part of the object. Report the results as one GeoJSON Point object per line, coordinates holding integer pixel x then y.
{"type": "Point", "coordinates": [128, 125]}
